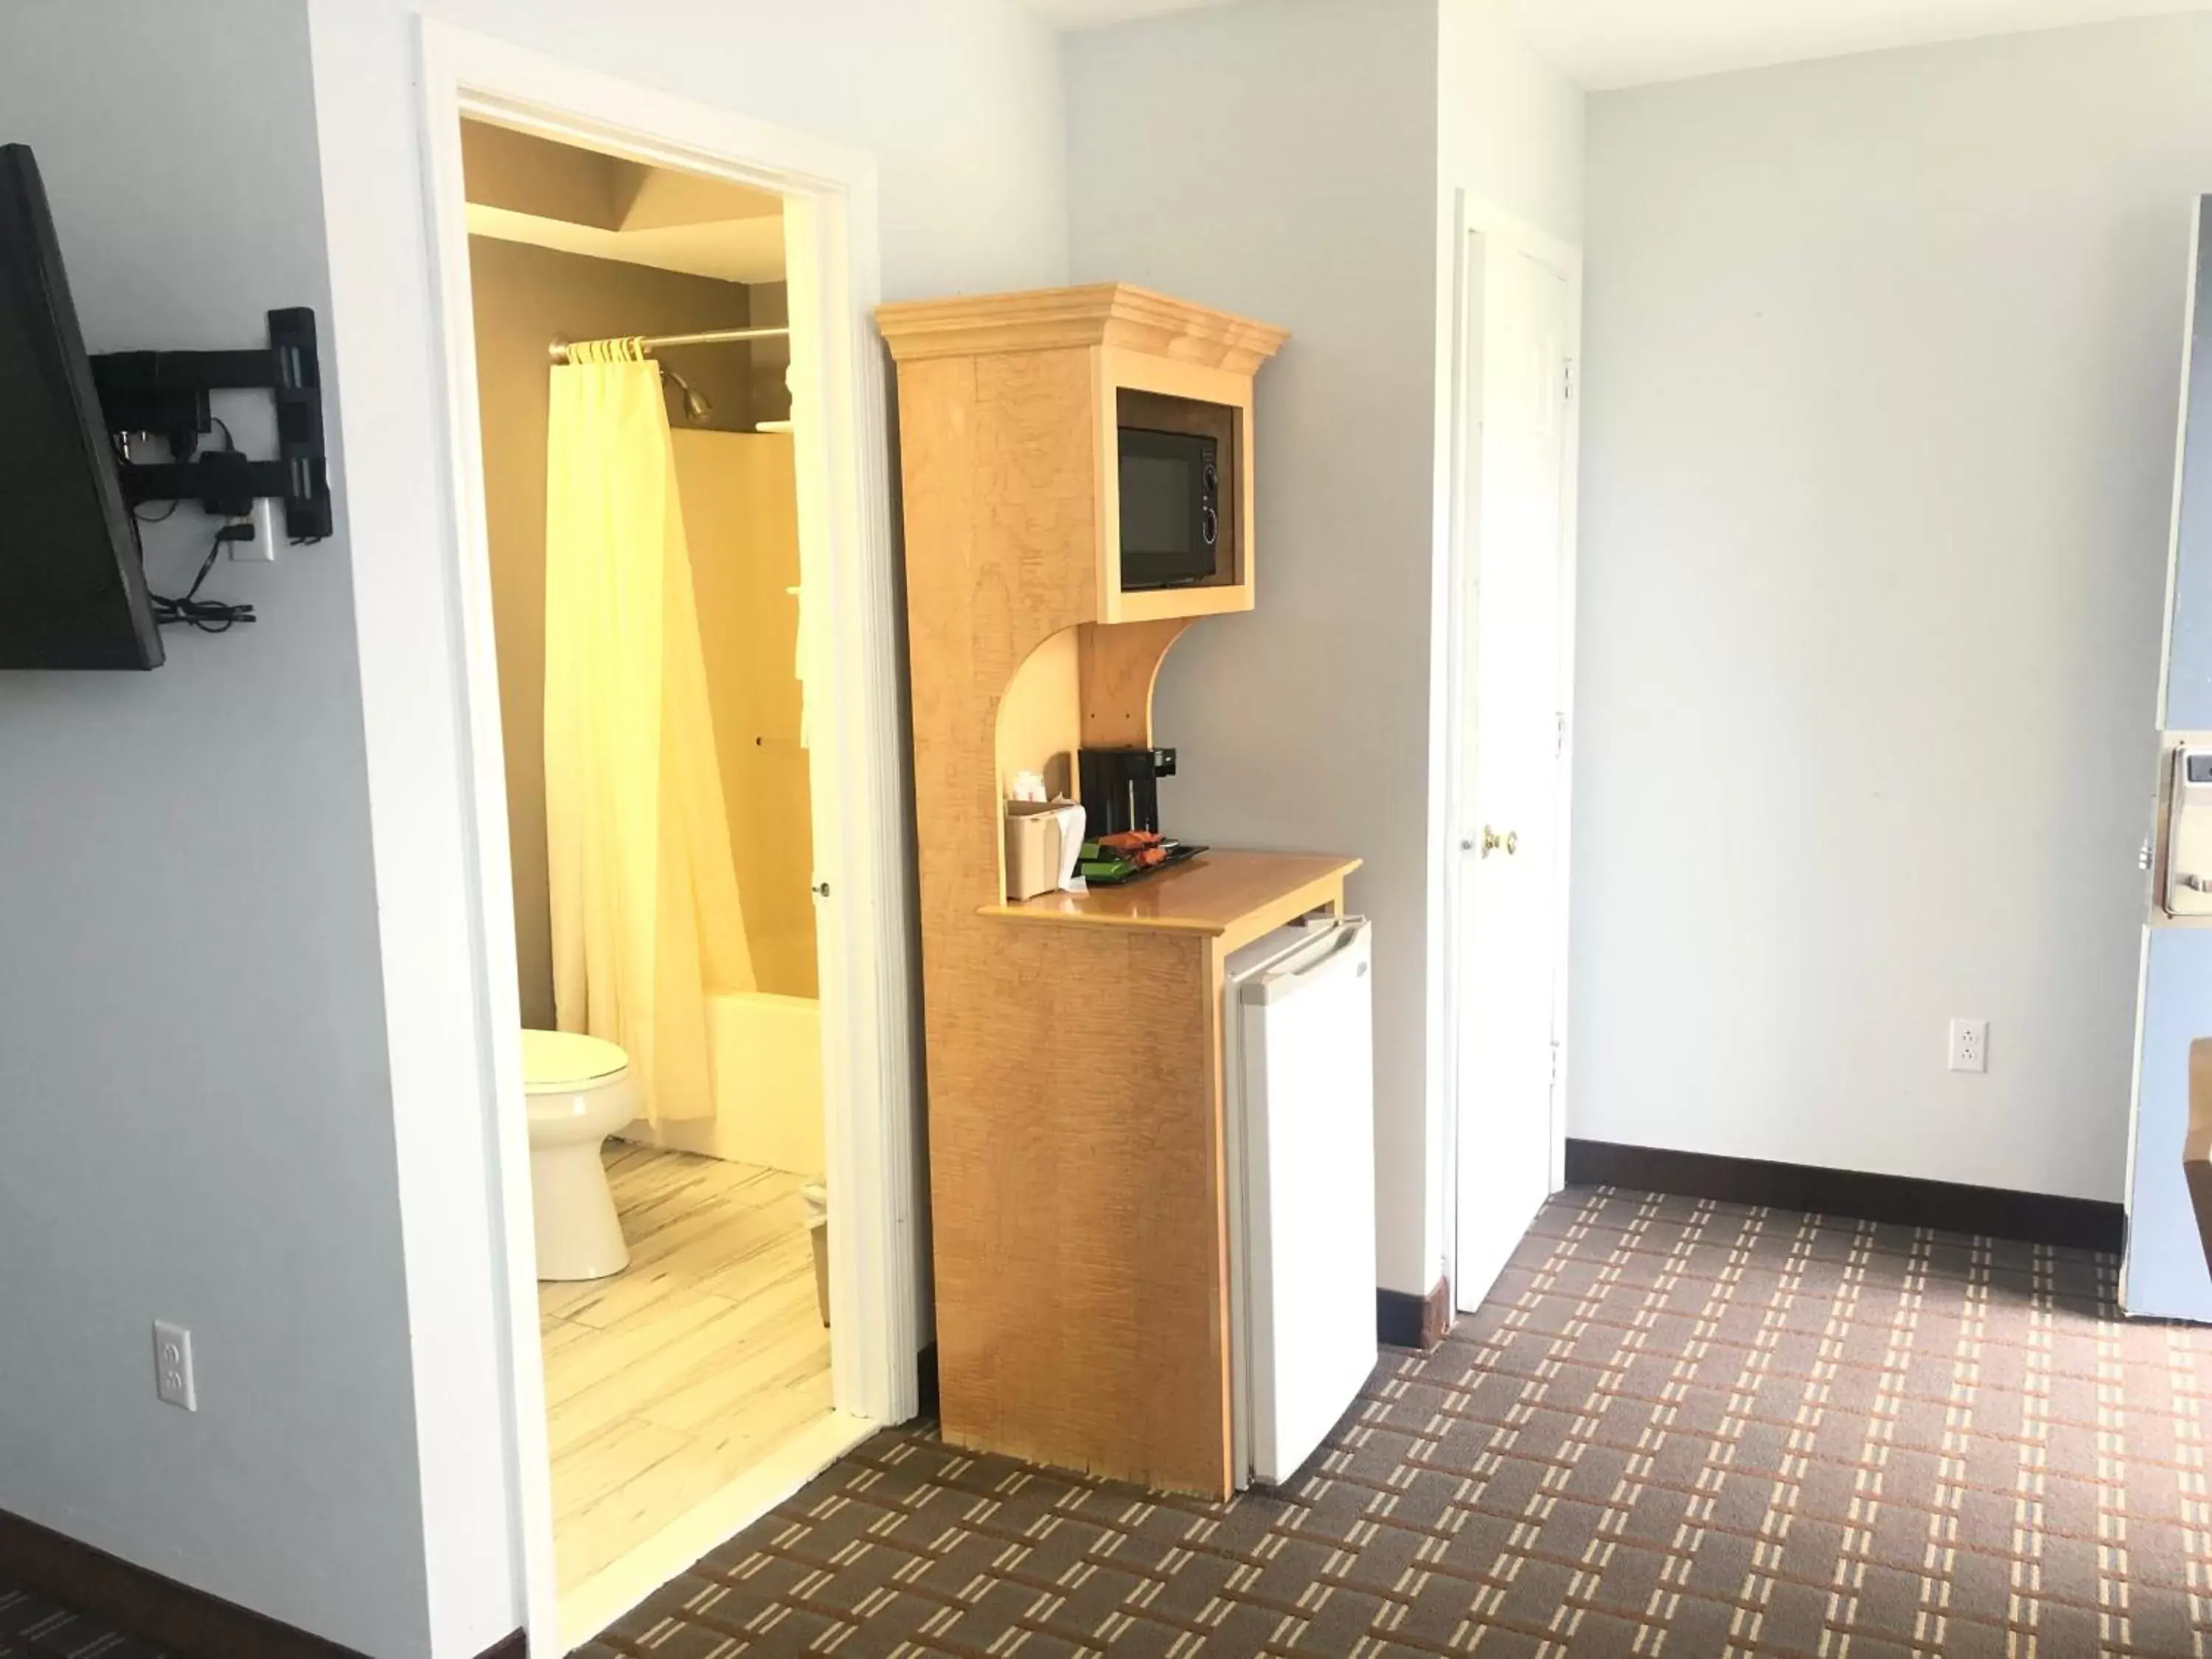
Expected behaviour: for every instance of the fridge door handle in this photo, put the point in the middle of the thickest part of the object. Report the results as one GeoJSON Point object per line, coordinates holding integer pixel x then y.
{"type": "Point", "coordinates": [1333, 953]}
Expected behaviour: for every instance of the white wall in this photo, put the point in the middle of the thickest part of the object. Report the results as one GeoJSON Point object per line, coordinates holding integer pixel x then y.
{"type": "Point", "coordinates": [1312, 188]}
{"type": "Point", "coordinates": [960, 101]}
{"type": "Point", "coordinates": [192, 1061]}
{"type": "Point", "coordinates": [1510, 126]}
{"type": "Point", "coordinates": [1882, 358]}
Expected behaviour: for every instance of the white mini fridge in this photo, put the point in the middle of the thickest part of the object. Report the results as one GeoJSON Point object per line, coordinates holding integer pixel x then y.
{"type": "Point", "coordinates": [1298, 1052]}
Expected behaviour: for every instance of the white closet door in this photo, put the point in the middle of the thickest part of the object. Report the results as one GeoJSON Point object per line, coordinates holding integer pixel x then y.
{"type": "Point", "coordinates": [1509, 945]}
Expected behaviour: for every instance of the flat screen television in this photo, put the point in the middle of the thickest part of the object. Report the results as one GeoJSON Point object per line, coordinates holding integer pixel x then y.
{"type": "Point", "coordinates": [72, 588]}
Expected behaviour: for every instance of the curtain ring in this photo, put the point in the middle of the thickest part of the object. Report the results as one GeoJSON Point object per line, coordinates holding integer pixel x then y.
{"type": "Point", "coordinates": [624, 349]}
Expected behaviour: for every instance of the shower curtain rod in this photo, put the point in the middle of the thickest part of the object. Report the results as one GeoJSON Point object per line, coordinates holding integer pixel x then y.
{"type": "Point", "coordinates": [559, 349]}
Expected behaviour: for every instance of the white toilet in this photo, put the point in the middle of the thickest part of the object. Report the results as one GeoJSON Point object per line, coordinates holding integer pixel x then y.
{"type": "Point", "coordinates": [581, 1092]}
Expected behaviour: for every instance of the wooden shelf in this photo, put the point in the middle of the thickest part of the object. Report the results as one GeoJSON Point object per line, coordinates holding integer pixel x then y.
{"type": "Point", "coordinates": [1241, 894]}
{"type": "Point", "coordinates": [1168, 604]}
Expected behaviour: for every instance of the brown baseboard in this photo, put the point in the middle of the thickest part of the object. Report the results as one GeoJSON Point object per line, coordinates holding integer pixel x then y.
{"type": "Point", "coordinates": [189, 1622]}
{"type": "Point", "coordinates": [1403, 1320]}
{"type": "Point", "coordinates": [1992, 1211]}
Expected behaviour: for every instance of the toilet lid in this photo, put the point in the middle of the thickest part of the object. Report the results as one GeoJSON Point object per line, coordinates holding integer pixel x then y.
{"type": "Point", "coordinates": [554, 1061]}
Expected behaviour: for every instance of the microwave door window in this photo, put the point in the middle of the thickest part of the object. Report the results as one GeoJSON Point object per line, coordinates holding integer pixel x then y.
{"type": "Point", "coordinates": [1164, 543]}
{"type": "Point", "coordinates": [1156, 508]}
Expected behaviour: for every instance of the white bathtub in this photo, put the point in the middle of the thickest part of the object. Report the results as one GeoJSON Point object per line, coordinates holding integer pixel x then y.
{"type": "Point", "coordinates": [767, 1055]}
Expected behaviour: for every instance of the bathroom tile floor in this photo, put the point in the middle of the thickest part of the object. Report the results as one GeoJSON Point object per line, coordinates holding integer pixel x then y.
{"type": "Point", "coordinates": [669, 1382]}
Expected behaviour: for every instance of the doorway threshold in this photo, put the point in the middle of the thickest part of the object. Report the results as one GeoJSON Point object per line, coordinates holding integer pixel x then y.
{"type": "Point", "coordinates": [597, 1602]}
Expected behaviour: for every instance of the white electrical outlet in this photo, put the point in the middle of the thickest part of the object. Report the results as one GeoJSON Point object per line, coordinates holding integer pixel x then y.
{"type": "Point", "coordinates": [262, 549]}
{"type": "Point", "coordinates": [173, 1366]}
{"type": "Point", "coordinates": [1970, 1045]}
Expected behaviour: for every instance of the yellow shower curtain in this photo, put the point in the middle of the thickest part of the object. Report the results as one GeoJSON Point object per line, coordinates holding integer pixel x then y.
{"type": "Point", "coordinates": [645, 917]}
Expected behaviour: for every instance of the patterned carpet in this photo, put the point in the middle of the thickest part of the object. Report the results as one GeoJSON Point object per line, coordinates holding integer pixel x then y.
{"type": "Point", "coordinates": [1676, 1427]}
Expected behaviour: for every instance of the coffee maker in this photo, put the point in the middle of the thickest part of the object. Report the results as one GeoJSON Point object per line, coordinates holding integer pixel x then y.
{"type": "Point", "coordinates": [1121, 788]}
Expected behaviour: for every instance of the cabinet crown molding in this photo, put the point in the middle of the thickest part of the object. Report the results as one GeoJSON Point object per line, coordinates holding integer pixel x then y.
{"type": "Point", "coordinates": [1095, 313]}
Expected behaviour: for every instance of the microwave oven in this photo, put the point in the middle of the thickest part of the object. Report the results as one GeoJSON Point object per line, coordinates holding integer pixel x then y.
{"type": "Point", "coordinates": [1171, 509]}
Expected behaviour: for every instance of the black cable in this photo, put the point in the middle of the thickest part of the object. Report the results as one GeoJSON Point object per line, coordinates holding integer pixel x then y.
{"type": "Point", "coordinates": [123, 459]}
{"type": "Point", "coordinates": [209, 616]}
{"type": "Point", "coordinates": [229, 443]}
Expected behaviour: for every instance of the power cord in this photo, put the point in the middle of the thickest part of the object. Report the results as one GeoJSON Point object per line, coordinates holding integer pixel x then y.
{"type": "Point", "coordinates": [209, 616]}
{"type": "Point", "coordinates": [122, 455]}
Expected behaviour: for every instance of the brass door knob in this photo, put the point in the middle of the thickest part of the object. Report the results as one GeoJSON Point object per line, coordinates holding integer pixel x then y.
{"type": "Point", "coordinates": [1510, 842]}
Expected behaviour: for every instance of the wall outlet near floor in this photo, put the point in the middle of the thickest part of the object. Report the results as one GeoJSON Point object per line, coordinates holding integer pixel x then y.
{"type": "Point", "coordinates": [173, 1366]}
{"type": "Point", "coordinates": [1970, 1045]}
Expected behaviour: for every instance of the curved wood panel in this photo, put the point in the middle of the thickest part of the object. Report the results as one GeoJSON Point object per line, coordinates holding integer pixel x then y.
{"type": "Point", "coordinates": [1120, 665]}
{"type": "Point", "coordinates": [1040, 715]}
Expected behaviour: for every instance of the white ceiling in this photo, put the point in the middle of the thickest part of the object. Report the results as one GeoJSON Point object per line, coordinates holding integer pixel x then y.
{"type": "Point", "coordinates": [1097, 13]}
{"type": "Point", "coordinates": [1627, 43]}
{"type": "Point", "coordinates": [1605, 44]}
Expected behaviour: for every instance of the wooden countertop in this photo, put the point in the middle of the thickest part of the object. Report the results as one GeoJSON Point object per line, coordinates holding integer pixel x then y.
{"type": "Point", "coordinates": [1216, 892]}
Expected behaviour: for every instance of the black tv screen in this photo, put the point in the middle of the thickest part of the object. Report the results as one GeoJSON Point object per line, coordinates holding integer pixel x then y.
{"type": "Point", "coordinates": [72, 591]}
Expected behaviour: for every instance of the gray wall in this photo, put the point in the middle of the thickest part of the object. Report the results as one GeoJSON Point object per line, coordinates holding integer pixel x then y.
{"type": "Point", "coordinates": [191, 1018]}
{"type": "Point", "coordinates": [1300, 191]}
{"type": "Point", "coordinates": [1882, 360]}
{"type": "Point", "coordinates": [1315, 188]}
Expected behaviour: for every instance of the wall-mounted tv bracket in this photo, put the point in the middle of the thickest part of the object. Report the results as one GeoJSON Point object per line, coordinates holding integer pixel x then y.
{"type": "Point", "coordinates": [164, 393]}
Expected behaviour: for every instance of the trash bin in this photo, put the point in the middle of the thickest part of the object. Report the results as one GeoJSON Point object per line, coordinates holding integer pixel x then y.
{"type": "Point", "coordinates": [817, 1199]}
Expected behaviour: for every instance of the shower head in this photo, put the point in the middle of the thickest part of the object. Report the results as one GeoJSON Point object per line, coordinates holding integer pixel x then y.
{"type": "Point", "coordinates": [696, 406]}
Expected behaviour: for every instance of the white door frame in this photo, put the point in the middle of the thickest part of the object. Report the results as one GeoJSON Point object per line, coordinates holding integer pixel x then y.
{"type": "Point", "coordinates": [1501, 231]}
{"type": "Point", "coordinates": [870, 1058]}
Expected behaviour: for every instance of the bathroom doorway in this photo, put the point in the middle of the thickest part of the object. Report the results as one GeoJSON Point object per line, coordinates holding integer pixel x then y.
{"type": "Point", "coordinates": [690, 1342]}
{"type": "Point", "coordinates": [676, 618]}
